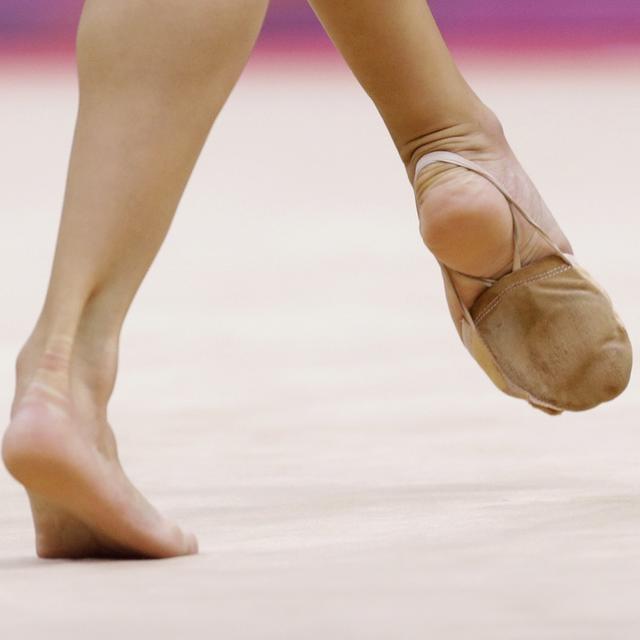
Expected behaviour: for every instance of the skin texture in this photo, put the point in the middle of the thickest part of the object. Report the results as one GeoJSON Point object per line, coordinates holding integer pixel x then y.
{"type": "Point", "coordinates": [397, 53]}
{"type": "Point", "coordinates": [153, 77]}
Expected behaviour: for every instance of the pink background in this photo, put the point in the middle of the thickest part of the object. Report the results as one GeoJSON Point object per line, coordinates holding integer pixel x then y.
{"type": "Point", "coordinates": [27, 25]}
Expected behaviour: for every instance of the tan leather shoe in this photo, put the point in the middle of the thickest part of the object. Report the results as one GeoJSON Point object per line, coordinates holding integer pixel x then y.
{"type": "Point", "coordinates": [546, 332]}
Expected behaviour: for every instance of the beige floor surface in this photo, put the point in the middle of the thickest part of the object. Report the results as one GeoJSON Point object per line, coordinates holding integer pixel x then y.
{"type": "Point", "coordinates": [291, 387]}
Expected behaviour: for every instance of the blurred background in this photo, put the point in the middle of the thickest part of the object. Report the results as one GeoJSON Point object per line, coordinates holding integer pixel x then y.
{"type": "Point", "coordinates": [42, 25]}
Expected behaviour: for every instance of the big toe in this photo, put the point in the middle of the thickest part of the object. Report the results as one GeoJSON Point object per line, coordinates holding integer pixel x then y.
{"type": "Point", "coordinates": [180, 543]}
{"type": "Point", "coordinates": [191, 544]}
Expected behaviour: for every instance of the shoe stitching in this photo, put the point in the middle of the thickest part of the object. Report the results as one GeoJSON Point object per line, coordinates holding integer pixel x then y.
{"type": "Point", "coordinates": [543, 276]}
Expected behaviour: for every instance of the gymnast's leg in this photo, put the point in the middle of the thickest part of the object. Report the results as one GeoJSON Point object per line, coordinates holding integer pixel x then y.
{"type": "Point", "coordinates": [397, 53]}
{"type": "Point", "coordinates": [153, 76]}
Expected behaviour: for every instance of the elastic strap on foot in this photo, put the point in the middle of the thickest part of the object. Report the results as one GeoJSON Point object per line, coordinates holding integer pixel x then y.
{"type": "Point", "coordinates": [458, 160]}
{"type": "Point", "coordinates": [453, 158]}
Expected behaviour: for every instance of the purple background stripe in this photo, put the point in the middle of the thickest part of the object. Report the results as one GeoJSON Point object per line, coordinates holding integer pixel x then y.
{"type": "Point", "coordinates": [50, 19]}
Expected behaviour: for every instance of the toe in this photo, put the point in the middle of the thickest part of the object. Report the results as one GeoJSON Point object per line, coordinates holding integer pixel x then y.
{"type": "Point", "coordinates": [191, 544]}
{"type": "Point", "coordinates": [182, 543]}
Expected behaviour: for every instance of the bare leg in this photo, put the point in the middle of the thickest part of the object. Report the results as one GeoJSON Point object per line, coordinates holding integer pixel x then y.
{"type": "Point", "coordinates": [397, 53]}
{"type": "Point", "coordinates": [153, 76]}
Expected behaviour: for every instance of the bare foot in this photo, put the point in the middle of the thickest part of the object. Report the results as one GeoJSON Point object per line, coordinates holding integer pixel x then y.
{"type": "Point", "coordinates": [65, 455]}
{"type": "Point", "coordinates": [466, 222]}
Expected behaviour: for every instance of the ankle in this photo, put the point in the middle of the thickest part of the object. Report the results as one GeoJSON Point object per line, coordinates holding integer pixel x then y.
{"type": "Point", "coordinates": [83, 364]}
{"type": "Point", "coordinates": [478, 132]}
